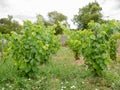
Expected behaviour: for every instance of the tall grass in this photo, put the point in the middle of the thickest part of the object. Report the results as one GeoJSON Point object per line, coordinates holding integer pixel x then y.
{"type": "Point", "coordinates": [61, 73]}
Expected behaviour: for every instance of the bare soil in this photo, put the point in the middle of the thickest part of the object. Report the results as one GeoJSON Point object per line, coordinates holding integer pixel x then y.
{"type": "Point", "coordinates": [79, 61]}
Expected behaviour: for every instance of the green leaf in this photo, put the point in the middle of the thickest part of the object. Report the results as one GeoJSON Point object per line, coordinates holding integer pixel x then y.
{"type": "Point", "coordinates": [92, 37]}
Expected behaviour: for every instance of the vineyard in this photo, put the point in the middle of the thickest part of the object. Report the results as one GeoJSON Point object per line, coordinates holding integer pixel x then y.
{"type": "Point", "coordinates": [35, 59]}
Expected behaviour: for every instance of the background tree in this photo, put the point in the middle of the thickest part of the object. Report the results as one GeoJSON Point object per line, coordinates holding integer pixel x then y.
{"type": "Point", "coordinates": [88, 13]}
{"type": "Point", "coordinates": [54, 18]}
{"type": "Point", "coordinates": [8, 24]}
{"type": "Point", "coordinates": [40, 19]}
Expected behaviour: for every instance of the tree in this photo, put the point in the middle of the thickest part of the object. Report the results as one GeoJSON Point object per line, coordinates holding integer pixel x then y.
{"type": "Point", "coordinates": [88, 13]}
{"type": "Point", "coordinates": [40, 19]}
{"type": "Point", "coordinates": [8, 24]}
{"type": "Point", "coordinates": [56, 17]}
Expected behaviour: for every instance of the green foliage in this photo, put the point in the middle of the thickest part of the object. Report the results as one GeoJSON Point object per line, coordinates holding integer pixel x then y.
{"type": "Point", "coordinates": [88, 13]}
{"type": "Point", "coordinates": [55, 16]}
{"type": "Point", "coordinates": [113, 49]}
{"type": "Point", "coordinates": [96, 55]}
{"type": "Point", "coordinates": [7, 25]}
{"type": "Point", "coordinates": [40, 19]}
{"type": "Point", "coordinates": [61, 73]}
{"type": "Point", "coordinates": [77, 41]}
{"type": "Point", "coordinates": [3, 44]}
{"type": "Point", "coordinates": [32, 47]}
{"type": "Point", "coordinates": [58, 29]}
{"type": "Point", "coordinates": [0, 42]}
{"type": "Point", "coordinates": [112, 29]}
{"type": "Point", "coordinates": [113, 45]}
{"type": "Point", "coordinates": [95, 45]}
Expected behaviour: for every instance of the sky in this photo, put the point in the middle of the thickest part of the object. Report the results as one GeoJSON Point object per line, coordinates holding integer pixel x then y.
{"type": "Point", "coordinates": [28, 9]}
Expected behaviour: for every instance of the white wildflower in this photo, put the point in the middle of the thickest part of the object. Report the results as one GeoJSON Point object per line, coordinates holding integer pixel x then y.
{"type": "Point", "coordinates": [29, 79]}
{"type": "Point", "coordinates": [73, 87]}
{"type": "Point", "coordinates": [83, 82]}
{"type": "Point", "coordinates": [61, 82]}
{"type": "Point", "coordinates": [3, 88]}
{"type": "Point", "coordinates": [63, 87]}
{"type": "Point", "coordinates": [67, 82]}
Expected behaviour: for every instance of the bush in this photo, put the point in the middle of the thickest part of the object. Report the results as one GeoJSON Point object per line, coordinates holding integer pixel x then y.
{"type": "Point", "coordinates": [32, 47]}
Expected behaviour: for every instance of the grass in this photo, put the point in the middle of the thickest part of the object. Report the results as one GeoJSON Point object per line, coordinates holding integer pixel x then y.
{"type": "Point", "coordinates": [61, 73]}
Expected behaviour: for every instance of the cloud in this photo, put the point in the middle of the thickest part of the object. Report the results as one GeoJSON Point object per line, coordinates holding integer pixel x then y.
{"type": "Point", "coordinates": [28, 9]}
{"type": "Point", "coordinates": [117, 4]}
{"type": "Point", "coordinates": [21, 18]}
{"type": "Point", "coordinates": [3, 3]}
{"type": "Point", "coordinates": [101, 1]}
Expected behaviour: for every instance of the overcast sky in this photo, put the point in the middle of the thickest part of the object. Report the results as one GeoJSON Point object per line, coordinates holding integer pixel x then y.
{"type": "Point", "coordinates": [28, 9]}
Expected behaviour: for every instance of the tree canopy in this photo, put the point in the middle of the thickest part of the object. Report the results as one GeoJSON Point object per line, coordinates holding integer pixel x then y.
{"type": "Point", "coordinates": [54, 17]}
{"type": "Point", "coordinates": [92, 11]}
{"type": "Point", "coordinates": [7, 25]}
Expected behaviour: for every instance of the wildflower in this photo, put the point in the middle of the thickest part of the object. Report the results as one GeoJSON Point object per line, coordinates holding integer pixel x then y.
{"type": "Point", "coordinates": [3, 88]}
{"type": "Point", "coordinates": [61, 82]}
{"type": "Point", "coordinates": [67, 82]}
{"type": "Point", "coordinates": [83, 82]}
{"type": "Point", "coordinates": [73, 87]}
{"type": "Point", "coordinates": [63, 87]}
